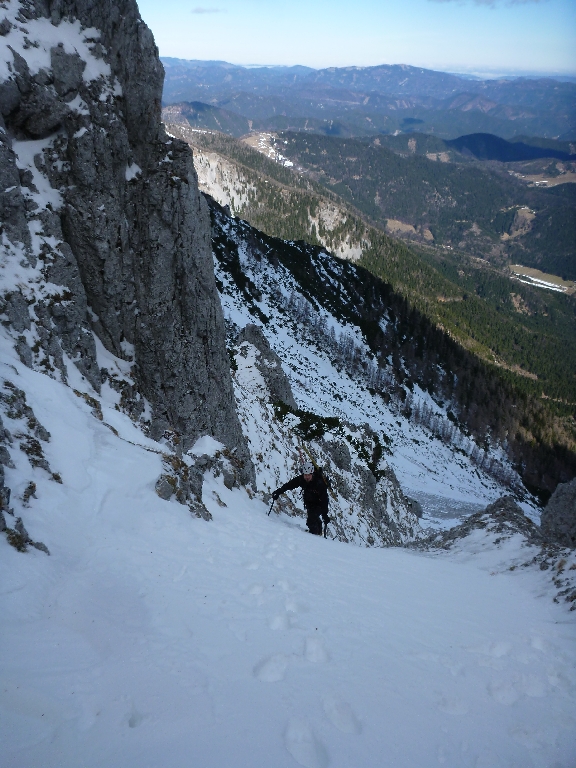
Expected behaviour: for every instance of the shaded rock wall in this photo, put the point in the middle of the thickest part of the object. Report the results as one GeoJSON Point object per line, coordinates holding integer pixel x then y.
{"type": "Point", "coordinates": [104, 205]}
{"type": "Point", "coordinates": [558, 520]}
{"type": "Point", "coordinates": [269, 365]}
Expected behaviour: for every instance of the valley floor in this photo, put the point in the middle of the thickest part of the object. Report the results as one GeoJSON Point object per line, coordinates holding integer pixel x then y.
{"type": "Point", "coordinates": [150, 639]}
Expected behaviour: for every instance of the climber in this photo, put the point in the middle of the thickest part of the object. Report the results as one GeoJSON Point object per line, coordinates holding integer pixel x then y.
{"type": "Point", "coordinates": [315, 496]}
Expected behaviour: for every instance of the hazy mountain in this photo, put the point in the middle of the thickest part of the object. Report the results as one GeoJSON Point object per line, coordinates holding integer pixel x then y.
{"type": "Point", "coordinates": [372, 100]}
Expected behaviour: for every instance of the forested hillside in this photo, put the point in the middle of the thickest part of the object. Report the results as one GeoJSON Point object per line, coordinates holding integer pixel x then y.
{"type": "Point", "coordinates": [456, 205]}
{"type": "Point", "coordinates": [206, 116]}
{"type": "Point", "coordinates": [480, 146]}
{"type": "Point", "coordinates": [482, 399]}
{"type": "Point", "coordinates": [518, 342]}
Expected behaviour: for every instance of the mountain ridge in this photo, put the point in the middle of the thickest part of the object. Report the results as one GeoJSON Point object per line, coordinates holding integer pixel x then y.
{"type": "Point", "coordinates": [373, 100]}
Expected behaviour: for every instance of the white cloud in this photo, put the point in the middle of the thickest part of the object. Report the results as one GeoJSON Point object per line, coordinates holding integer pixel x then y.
{"type": "Point", "coordinates": [207, 10]}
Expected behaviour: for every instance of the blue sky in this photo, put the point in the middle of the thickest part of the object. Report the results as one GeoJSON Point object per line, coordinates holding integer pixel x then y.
{"type": "Point", "coordinates": [479, 36]}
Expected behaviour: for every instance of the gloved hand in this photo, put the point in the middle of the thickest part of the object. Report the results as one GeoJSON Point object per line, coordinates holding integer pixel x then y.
{"type": "Point", "coordinates": [327, 519]}
{"type": "Point", "coordinates": [276, 495]}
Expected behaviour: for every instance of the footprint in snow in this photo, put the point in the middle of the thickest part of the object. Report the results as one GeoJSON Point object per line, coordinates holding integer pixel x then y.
{"type": "Point", "coordinates": [539, 644]}
{"type": "Point", "coordinates": [292, 606]}
{"type": "Point", "coordinates": [255, 589]}
{"type": "Point", "coordinates": [534, 686]}
{"type": "Point", "coordinates": [508, 692]}
{"type": "Point", "coordinates": [500, 649]}
{"type": "Point", "coordinates": [533, 738]}
{"type": "Point", "coordinates": [452, 706]}
{"type": "Point", "coordinates": [280, 621]}
{"type": "Point", "coordinates": [341, 715]}
{"type": "Point", "coordinates": [272, 669]}
{"type": "Point", "coordinates": [272, 552]}
{"type": "Point", "coordinates": [134, 718]}
{"type": "Point", "coordinates": [303, 745]}
{"type": "Point", "coordinates": [504, 692]}
{"type": "Point", "coordinates": [497, 650]}
{"type": "Point", "coordinates": [315, 650]}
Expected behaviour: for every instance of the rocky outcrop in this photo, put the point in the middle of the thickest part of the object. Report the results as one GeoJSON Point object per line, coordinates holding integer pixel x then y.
{"type": "Point", "coordinates": [106, 233]}
{"type": "Point", "coordinates": [500, 522]}
{"type": "Point", "coordinates": [504, 518]}
{"type": "Point", "coordinates": [27, 435]}
{"type": "Point", "coordinates": [5, 460]}
{"type": "Point", "coordinates": [339, 452]}
{"type": "Point", "coordinates": [558, 521]}
{"type": "Point", "coordinates": [268, 364]}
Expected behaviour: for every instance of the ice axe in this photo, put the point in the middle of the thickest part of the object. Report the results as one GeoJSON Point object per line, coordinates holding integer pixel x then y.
{"type": "Point", "coordinates": [326, 524]}
{"type": "Point", "coordinates": [271, 505]}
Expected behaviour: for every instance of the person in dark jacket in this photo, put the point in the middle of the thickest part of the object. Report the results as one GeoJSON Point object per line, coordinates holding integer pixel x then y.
{"type": "Point", "coordinates": [315, 496]}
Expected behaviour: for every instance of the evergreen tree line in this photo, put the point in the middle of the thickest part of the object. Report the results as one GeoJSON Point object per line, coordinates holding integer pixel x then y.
{"type": "Point", "coordinates": [359, 363]}
{"type": "Point", "coordinates": [471, 303]}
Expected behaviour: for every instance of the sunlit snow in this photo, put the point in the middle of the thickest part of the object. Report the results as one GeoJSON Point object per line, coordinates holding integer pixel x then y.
{"type": "Point", "coordinates": [149, 638]}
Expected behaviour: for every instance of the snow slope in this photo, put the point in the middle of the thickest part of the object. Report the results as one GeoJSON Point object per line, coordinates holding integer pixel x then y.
{"type": "Point", "coordinates": [427, 468]}
{"type": "Point", "coordinates": [151, 638]}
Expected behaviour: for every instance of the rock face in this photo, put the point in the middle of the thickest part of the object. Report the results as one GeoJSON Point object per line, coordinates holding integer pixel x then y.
{"type": "Point", "coordinates": [269, 365]}
{"type": "Point", "coordinates": [105, 232]}
{"type": "Point", "coordinates": [4, 490]}
{"type": "Point", "coordinates": [504, 518]}
{"type": "Point", "coordinates": [496, 525]}
{"type": "Point", "coordinates": [28, 437]}
{"type": "Point", "coordinates": [366, 504]}
{"type": "Point", "coordinates": [558, 521]}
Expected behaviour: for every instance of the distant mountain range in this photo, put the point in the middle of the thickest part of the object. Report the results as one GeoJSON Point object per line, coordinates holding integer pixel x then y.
{"type": "Point", "coordinates": [357, 101]}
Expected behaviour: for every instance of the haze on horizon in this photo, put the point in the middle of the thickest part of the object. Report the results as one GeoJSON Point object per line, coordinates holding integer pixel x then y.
{"type": "Point", "coordinates": [482, 37]}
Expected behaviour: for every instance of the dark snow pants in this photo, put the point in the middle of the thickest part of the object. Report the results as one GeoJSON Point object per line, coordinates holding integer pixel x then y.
{"type": "Point", "coordinates": [314, 521]}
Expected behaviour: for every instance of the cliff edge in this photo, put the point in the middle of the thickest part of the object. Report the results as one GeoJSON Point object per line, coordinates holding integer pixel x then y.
{"type": "Point", "coordinates": [105, 240]}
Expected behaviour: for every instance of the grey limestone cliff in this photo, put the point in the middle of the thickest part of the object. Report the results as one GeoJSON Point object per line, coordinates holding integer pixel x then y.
{"type": "Point", "coordinates": [558, 520]}
{"type": "Point", "coordinates": [269, 365]}
{"type": "Point", "coordinates": [104, 231]}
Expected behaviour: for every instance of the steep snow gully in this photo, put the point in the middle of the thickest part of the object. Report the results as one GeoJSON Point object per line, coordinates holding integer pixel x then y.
{"type": "Point", "coordinates": [151, 638]}
{"type": "Point", "coordinates": [152, 613]}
